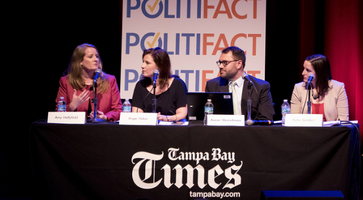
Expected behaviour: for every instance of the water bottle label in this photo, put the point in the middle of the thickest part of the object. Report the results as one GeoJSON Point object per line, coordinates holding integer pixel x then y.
{"type": "Point", "coordinates": [127, 108]}
{"type": "Point", "coordinates": [285, 110]}
{"type": "Point", "coordinates": [62, 108]}
{"type": "Point", "coordinates": [208, 110]}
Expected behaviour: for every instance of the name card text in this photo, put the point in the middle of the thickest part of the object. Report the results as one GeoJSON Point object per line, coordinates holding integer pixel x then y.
{"type": "Point", "coordinates": [226, 120]}
{"type": "Point", "coordinates": [138, 119]}
{"type": "Point", "coordinates": [67, 117]}
{"type": "Point", "coordinates": [304, 120]}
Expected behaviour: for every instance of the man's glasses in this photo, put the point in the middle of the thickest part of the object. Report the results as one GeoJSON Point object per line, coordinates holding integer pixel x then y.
{"type": "Point", "coordinates": [224, 62]}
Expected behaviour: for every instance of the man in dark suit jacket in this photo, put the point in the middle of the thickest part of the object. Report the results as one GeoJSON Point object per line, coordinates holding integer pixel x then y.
{"type": "Point", "coordinates": [231, 65]}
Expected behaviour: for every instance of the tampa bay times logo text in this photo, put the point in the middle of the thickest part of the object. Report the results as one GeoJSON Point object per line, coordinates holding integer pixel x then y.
{"type": "Point", "coordinates": [144, 171]}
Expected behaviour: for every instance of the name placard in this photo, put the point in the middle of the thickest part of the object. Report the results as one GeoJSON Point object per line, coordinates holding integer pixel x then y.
{"type": "Point", "coordinates": [67, 117]}
{"type": "Point", "coordinates": [138, 119]}
{"type": "Point", "coordinates": [304, 120]}
{"type": "Point", "coordinates": [226, 120]}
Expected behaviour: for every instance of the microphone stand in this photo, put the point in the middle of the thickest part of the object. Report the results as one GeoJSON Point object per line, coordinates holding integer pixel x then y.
{"type": "Point", "coordinates": [95, 101]}
{"type": "Point", "coordinates": [249, 120]}
{"type": "Point", "coordinates": [309, 100]}
{"type": "Point", "coordinates": [154, 101]}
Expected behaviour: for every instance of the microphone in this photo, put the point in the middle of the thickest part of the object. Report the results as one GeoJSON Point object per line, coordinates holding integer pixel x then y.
{"type": "Point", "coordinates": [95, 99]}
{"type": "Point", "coordinates": [311, 77]}
{"type": "Point", "coordinates": [155, 76]}
{"type": "Point", "coordinates": [259, 122]}
{"type": "Point", "coordinates": [249, 122]}
{"type": "Point", "coordinates": [245, 76]}
{"type": "Point", "coordinates": [97, 73]}
{"type": "Point", "coordinates": [315, 96]}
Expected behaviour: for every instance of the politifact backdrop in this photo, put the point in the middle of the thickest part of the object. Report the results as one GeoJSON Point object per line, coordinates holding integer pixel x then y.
{"type": "Point", "coordinates": [193, 32]}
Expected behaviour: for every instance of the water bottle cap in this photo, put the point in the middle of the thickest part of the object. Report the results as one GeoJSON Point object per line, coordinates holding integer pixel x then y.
{"type": "Point", "coordinates": [209, 99]}
{"type": "Point", "coordinates": [61, 97]}
{"type": "Point", "coordinates": [285, 100]}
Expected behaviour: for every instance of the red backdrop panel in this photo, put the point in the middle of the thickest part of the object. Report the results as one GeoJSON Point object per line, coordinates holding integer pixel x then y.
{"type": "Point", "coordinates": [343, 47]}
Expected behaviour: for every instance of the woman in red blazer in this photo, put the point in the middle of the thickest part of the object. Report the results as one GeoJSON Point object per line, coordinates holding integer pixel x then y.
{"type": "Point", "coordinates": [77, 86]}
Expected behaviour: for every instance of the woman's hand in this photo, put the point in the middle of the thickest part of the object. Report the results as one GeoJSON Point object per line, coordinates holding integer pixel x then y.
{"type": "Point", "coordinates": [100, 115]}
{"type": "Point", "coordinates": [162, 117]}
{"type": "Point", "coordinates": [78, 100]}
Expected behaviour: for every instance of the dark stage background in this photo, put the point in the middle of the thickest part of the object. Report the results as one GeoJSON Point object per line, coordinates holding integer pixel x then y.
{"type": "Point", "coordinates": [42, 37]}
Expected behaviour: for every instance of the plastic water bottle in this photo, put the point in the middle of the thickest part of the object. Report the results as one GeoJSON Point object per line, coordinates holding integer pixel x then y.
{"type": "Point", "coordinates": [208, 110]}
{"type": "Point", "coordinates": [126, 106]}
{"type": "Point", "coordinates": [285, 109]}
{"type": "Point", "coordinates": [61, 105]}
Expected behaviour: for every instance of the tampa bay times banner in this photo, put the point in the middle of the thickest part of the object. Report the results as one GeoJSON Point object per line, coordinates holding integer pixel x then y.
{"type": "Point", "coordinates": [199, 180]}
{"type": "Point", "coordinates": [193, 32]}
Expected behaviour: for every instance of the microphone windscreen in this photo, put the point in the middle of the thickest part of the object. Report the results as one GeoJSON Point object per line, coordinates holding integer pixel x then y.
{"type": "Point", "coordinates": [311, 77]}
{"type": "Point", "coordinates": [95, 77]}
{"type": "Point", "coordinates": [249, 122]}
{"type": "Point", "coordinates": [155, 75]}
{"type": "Point", "coordinates": [97, 73]}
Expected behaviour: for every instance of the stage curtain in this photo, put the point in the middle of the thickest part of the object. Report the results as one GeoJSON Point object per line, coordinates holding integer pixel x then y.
{"type": "Point", "coordinates": [343, 46]}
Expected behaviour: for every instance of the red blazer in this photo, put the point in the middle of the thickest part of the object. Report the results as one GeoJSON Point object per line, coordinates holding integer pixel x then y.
{"type": "Point", "coordinates": [109, 102]}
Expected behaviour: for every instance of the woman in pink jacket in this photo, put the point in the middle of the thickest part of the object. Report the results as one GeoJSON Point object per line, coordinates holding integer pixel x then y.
{"type": "Point", "coordinates": [77, 86]}
{"type": "Point", "coordinates": [328, 97]}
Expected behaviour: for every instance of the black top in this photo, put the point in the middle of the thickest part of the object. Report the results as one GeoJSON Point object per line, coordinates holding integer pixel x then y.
{"type": "Point", "coordinates": [166, 103]}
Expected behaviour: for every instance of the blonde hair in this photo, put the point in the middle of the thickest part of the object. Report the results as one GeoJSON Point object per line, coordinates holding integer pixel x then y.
{"type": "Point", "coordinates": [75, 70]}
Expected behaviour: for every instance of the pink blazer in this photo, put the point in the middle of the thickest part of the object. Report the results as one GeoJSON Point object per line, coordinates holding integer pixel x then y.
{"type": "Point", "coordinates": [335, 101]}
{"type": "Point", "coordinates": [109, 102]}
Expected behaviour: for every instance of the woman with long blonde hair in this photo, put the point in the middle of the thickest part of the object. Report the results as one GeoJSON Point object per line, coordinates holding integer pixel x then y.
{"type": "Point", "coordinates": [77, 86]}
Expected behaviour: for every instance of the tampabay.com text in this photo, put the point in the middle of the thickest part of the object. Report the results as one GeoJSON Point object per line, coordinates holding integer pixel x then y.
{"type": "Point", "coordinates": [213, 194]}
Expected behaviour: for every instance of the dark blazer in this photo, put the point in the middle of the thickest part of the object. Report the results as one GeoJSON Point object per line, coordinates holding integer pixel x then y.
{"type": "Point", "coordinates": [262, 106]}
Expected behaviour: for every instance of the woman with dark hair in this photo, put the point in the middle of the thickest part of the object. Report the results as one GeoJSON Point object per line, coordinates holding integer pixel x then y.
{"type": "Point", "coordinates": [170, 91]}
{"type": "Point", "coordinates": [328, 97]}
{"type": "Point", "coordinates": [77, 86]}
